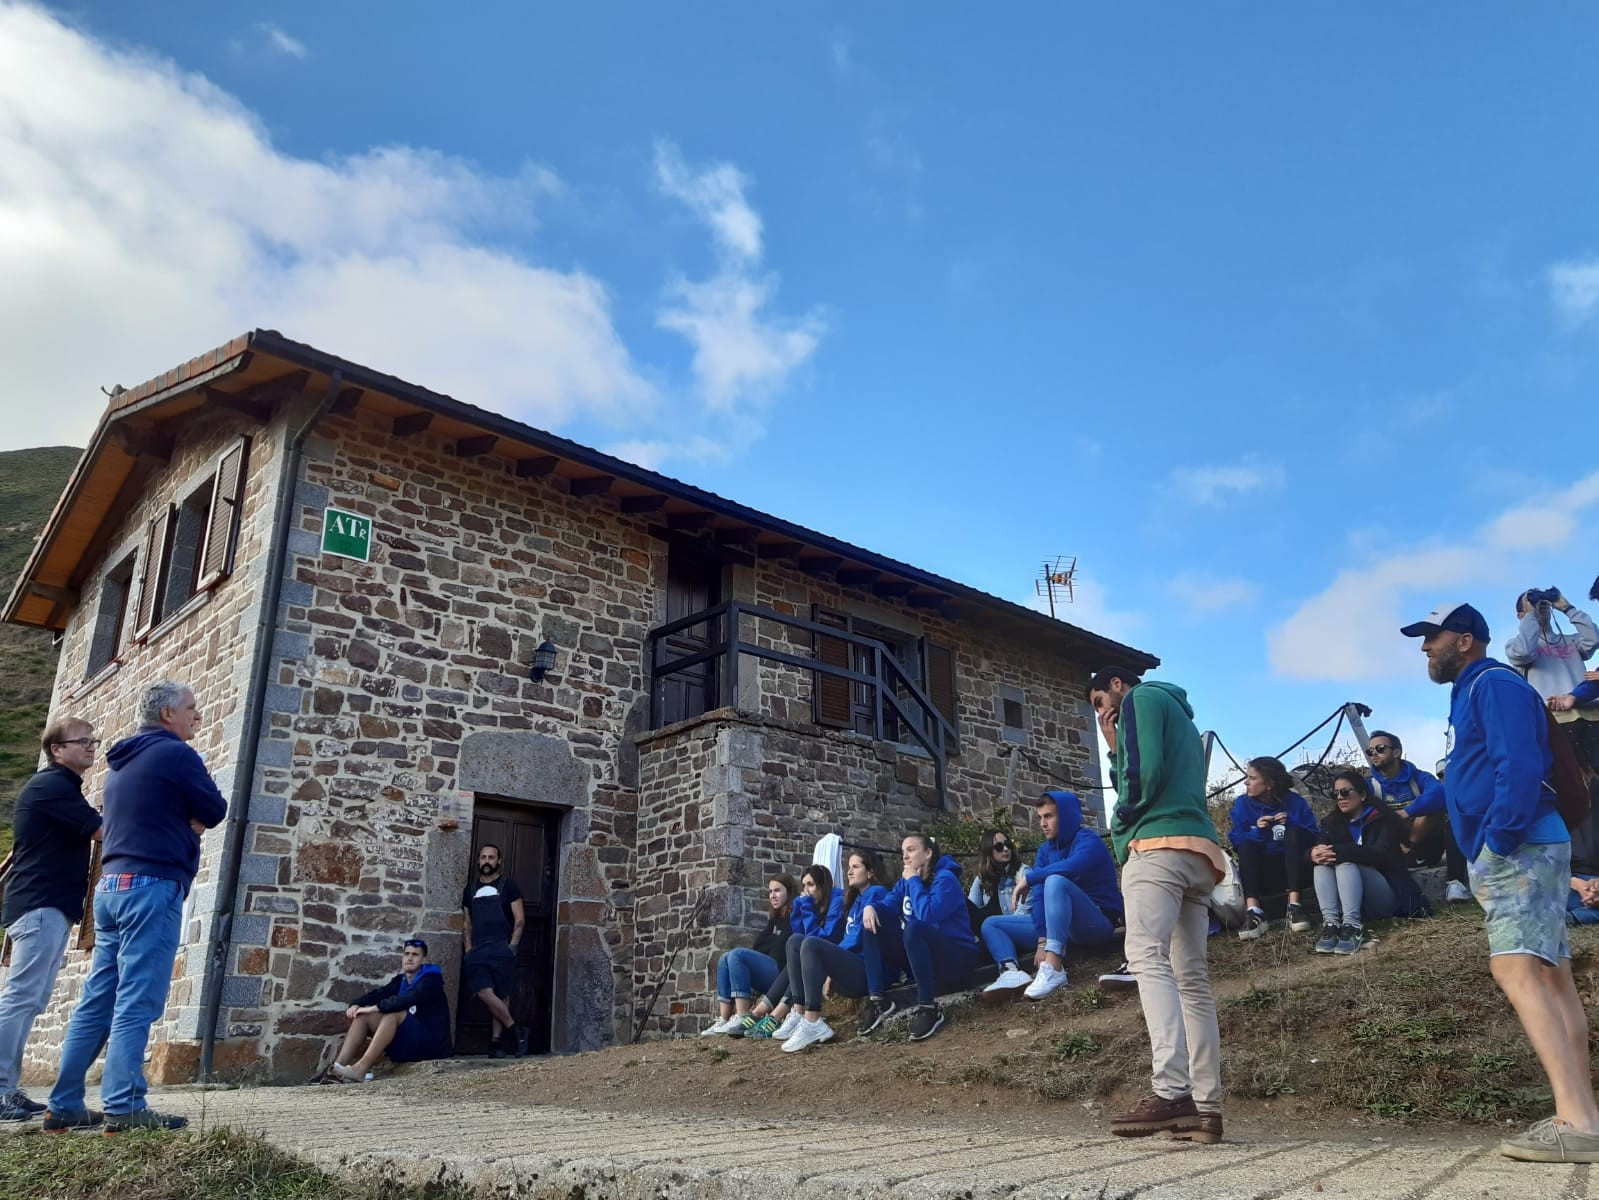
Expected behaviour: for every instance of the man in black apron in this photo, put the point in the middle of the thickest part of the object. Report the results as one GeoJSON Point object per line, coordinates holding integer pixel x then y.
{"type": "Point", "coordinates": [492, 932]}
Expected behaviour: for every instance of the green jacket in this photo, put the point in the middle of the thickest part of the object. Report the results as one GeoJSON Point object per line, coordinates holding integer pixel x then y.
{"type": "Point", "coordinates": [1159, 769]}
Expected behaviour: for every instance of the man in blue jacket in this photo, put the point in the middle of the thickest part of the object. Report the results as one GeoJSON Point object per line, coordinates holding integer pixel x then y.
{"type": "Point", "coordinates": [1404, 787]}
{"type": "Point", "coordinates": [1518, 856]}
{"type": "Point", "coordinates": [158, 800]}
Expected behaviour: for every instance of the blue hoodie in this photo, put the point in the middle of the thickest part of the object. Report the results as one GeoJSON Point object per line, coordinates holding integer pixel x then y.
{"type": "Point", "coordinates": [1247, 810]}
{"type": "Point", "coordinates": [804, 920]}
{"type": "Point", "coordinates": [1404, 788]}
{"type": "Point", "coordinates": [877, 897]}
{"type": "Point", "coordinates": [1078, 853]}
{"type": "Point", "coordinates": [1587, 693]}
{"type": "Point", "coordinates": [424, 998]}
{"type": "Point", "coordinates": [1498, 761]}
{"type": "Point", "coordinates": [941, 904]}
{"type": "Point", "coordinates": [156, 786]}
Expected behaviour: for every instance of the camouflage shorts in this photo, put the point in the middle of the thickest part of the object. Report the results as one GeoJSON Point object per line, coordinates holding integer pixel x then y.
{"type": "Point", "coordinates": [1523, 898]}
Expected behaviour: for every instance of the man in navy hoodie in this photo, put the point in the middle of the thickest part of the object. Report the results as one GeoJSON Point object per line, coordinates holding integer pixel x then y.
{"type": "Point", "coordinates": [1518, 856]}
{"type": "Point", "coordinates": [158, 800]}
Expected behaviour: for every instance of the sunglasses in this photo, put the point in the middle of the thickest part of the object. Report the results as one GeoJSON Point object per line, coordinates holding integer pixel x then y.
{"type": "Point", "coordinates": [1340, 793]}
{"type": "Point", "coordinates": [1378, 749]}
{"type": "Point", "coordinates": [1001, 845]}
{"type": "Point", "coordinates": [414, 944]}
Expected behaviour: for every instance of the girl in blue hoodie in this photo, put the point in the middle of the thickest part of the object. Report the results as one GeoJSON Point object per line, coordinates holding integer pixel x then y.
{"type": "Point", "coordinates": [937, 934]}
{"type": "Point", "coordinates": [818, 912]}
{"type": "Point", "coordinates": [1273, 831]}
{"type": "Point", "coordinates": [839, 967]}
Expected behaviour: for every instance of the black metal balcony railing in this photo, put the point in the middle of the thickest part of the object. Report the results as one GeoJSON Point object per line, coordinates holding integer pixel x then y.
{"type": "Point", "coordinates": [893, 689]}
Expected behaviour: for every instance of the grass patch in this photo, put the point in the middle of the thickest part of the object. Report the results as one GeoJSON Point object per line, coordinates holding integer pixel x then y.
{"type": "Point", "coordinates": [1069, 1047]}
{"type": "Point", "coordinates": [219, 1165]}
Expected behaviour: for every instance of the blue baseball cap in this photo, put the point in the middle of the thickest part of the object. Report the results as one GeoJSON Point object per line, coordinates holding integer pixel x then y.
{"type": "Point", "coordinates": [1455, 618]}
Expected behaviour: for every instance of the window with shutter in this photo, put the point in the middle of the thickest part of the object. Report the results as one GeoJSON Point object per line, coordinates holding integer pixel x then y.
{"type": "Point", "coordinates": [152, 577]}
{"type": "Point", "coordinates": [111, 616]}
{"type": "Point", "coordinates": [941, 688]}
{"type": "Point", "coordinates": [222, 522]}
{"type": "Point", "coordinates": [830, 695]}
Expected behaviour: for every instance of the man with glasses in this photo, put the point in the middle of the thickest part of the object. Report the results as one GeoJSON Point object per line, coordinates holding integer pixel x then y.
{"type": "Point", "coordinates": [407, 1019]}
{"type": "Point", "coordinates": [1418, 798]}
{"type": "Point", "coordinates": [54, 828]}
{"type": "Point", "coordinates": [159, 798]}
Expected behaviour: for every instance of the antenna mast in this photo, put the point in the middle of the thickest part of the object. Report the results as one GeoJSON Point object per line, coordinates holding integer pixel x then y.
{"type": "Point", "coordinates": [1056, 579]}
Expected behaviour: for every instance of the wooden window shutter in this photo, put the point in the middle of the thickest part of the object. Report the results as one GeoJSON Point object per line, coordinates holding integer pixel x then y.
{"type": "Point", "coordinates": [222, 529]}
{"type": "Point", "coordinates": [941, 687]}
{"type": "Point", "coordinates": [830, 695]}
{"type": "Point", "coordinates": [154, 571]}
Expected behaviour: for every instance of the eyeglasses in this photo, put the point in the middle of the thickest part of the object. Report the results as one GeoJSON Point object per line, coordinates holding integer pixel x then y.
{"type": "Point", "coordinates": [1340, 793]}
{"type": "Point", "coordinates": [1370, 750]}
{"type": "Point", "coordinates": [92, 743]}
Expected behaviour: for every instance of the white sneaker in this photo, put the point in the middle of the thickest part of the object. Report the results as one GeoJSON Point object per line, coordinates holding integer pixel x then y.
{"type": "Point", "coordinates": [1009, 981]}
{"type": "Point", "coordinates": [789, 1027]}
{"type": "Point", "coordinates": [722, 1026]}
{"type": "Point", "coordinates": [1456, 892]}
{"type": "Point", "coordinates": [808, 1034]}
{"type": "Point", "coordinates": [1046, 981]}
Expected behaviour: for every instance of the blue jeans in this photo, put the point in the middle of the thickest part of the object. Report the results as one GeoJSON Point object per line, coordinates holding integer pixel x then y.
{"type": "Point", "coordinates": [741, 972]}
{"type": "Point", "coordinates": [1070, 916]}
{"type": "Point", "coordinates": [1580, 912]}
{"type": "Point", "coordinates": [936, 960]}
{"type": "Point", "coordinates": [135, 943]}
{"type": "Point", "coordinates": [1009, 939]}
{"type": "Point", "coordinates": [1356, 891]}
{"type": "Point", "coordinates": [38, 940]}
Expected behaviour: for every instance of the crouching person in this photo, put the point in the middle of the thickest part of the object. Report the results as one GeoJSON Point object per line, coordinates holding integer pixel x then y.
{"type": "Point", "coordinates": [1072, 886]}
{"type": "Point", "coordinates": [408, 1018]}
{"type": "Point", "coordinates": [940, 950]}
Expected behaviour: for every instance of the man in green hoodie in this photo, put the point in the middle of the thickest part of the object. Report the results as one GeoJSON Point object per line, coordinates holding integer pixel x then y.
{"type": "Point", "coordinates": [1163, 837]}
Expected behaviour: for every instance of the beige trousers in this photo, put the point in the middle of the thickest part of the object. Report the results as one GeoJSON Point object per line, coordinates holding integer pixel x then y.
{"type": "Point", "coordinates": [1167, 895]}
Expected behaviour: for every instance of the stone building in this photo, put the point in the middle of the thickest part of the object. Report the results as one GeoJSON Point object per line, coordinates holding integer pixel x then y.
{"type": "Point", "coordinates": [414, 624]}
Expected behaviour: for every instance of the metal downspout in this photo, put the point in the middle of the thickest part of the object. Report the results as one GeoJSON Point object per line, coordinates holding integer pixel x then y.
{"type": "Point", "coordinates": [244, 775]}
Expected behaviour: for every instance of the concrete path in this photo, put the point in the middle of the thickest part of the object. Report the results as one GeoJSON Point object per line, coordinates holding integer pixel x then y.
{"type": "Point", "coordinates": [556, 1152]}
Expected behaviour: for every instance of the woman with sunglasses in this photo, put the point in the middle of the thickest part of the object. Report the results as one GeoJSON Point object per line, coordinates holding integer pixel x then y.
{"type": "Point", "coordinates": [1359, 867]}
{"type": "Point", "coordinates": [818, 912]}
{"type": "Point", "coordinates": [993, 890]}
{"type": "Point", "coordinates": [1272, 829]}
{"type": "Point", "coordinates": [744, 970]}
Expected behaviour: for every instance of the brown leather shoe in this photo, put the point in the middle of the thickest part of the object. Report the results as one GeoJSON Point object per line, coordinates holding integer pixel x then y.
{"type": "Point", "coordinates": [1153, 1115]}
{"type": "Point", "coordinates": [1207, 1132]}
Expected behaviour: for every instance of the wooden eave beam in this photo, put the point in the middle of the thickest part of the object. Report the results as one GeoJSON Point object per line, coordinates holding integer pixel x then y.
{"type": "Point", "coordinates": [142, 442]}
{"type": "Point", "coordinates": [127, 496]}
{"type": "Point", "coordinates": [688, 520]}
{"type": "Point", "coordinates": [592, 485]}
{"type": "Point", "coordinates": [927, 599]}
{"type": "Point", "coordinates": [854, 576]}
{"type": "Point", "coordinates": [532, 468]}
{"type": "Point", "coordinates": [652, 502]}
{"type": "Point", "coordinates": [817, 564]}
{"type": "Point", "coordinates": [347, 400]}
{"type": "Point", "coordinates": [778, 549]}
{"type": "Point", "coordinates": [56, 595]}
{"type": "Point", "coordinates": [894, 587]}
{"type": "Point", "coordinates": [412, 424]}
{"type": "Point", "coordinates": [471, 447]}
{"type": "Point", "coordinates": [272, 390]}
{"type": "Point", "coordinates": [255, 410]}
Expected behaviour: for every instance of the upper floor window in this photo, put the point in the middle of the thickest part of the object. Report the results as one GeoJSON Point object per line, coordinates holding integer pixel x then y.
{"type": "Point", "coordinates": [111, 616]}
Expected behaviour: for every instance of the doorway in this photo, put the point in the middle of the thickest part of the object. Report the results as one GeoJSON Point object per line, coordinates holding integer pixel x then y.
{"type": "Point", "coordinates": [693, 584]}
{"type": "Point", "coordinates": [529, 838]}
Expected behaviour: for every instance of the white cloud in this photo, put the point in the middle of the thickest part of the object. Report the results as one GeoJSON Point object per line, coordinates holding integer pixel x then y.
{"type": "Point", "coordinates": [1348, 632]}
{"type": "Point", "coordinates": [1574, 289]}
{"type": "Point", "coordinates": [652, 454]}
{"type": "Point", "coordinates": [1211, 486]}
{"type": "Point", "coordinates": [742, 351]}
{"type": "Point", "coordinates": [280, 41]}
{"type": "Point", "coordinates": [1203, 592]}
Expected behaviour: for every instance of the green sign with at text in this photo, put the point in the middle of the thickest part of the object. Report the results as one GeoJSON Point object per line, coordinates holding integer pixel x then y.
{"type": "Point", "coordinates": [347, 534]}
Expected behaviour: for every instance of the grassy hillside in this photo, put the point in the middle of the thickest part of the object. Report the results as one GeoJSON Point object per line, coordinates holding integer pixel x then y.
{"type": "Point", "coordinates": [30, 482]}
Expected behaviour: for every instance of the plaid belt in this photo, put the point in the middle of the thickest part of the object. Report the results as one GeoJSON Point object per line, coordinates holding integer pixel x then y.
{"type": "Point", "coordinates": [125, 883]}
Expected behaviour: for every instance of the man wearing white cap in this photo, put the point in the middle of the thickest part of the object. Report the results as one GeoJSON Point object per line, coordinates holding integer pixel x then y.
{"type": "Point", "coordinates": [1519, 862]}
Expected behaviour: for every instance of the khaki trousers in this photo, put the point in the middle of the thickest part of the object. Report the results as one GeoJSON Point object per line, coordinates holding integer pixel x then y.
{"type": "Point", "coordinates": [1167, 899]}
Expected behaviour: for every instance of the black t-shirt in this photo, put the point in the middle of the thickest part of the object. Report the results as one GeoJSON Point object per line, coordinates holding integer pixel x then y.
{"type": "Point", "coordinates": [54, 825]}
{"type": "Point", "coordinates": [476, 896]}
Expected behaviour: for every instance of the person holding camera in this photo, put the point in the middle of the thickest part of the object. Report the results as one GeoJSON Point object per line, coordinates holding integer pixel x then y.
{"type": "Point", "coordinates": [1552, 660]}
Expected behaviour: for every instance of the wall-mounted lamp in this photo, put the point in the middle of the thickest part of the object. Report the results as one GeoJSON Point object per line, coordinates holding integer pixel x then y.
{"type": "Point", "coordinates": [543, 660]}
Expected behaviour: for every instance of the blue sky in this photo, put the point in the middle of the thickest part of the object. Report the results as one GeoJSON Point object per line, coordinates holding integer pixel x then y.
{"type": "Point", "coordinates": [1283, 321]}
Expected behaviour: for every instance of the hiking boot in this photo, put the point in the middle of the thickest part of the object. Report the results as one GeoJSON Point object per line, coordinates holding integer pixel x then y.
{"type": "Point", "coordinates": [524, 1036]}
{"type": "Point", "coordinates": [1328, 941]}
{"type": "Point", "coordinates": [1254, 925]}
{"type": "Point", "coordinates": [1297, 920]}
{"type": "Point", "coordinates": [760, 1027]}
{"type": "Point", "coordinates": [1457, 892]}
{"type": "Point", "coordinates": [809, 1033]}
{"type": "Point", "coordinates": [927, 1020]}
{"type": "Point", "coordinates": [144, 1118]}
{"type": "Point", "coordinates": [66, 1122]}
{"type": "Point", "coordinates": [1207, 1132]}
{"type": "Point", "coordinates": [1350, 939]}
{"type": "Point", "coordinates": [790, 1025]}
{"type": "Point", "coordinates": [875, 1012]}
{"type": "Point", "coordinates": [1153, 1115]}
{"type": "Point", "coordinates": [1047, 980]}
{"type": "Point", "coordinates": [1011, 980]}
{"type": "Point", "coordinates": [1121, 978]}
{"type": "Point", "coordinates": [1550, 1140]}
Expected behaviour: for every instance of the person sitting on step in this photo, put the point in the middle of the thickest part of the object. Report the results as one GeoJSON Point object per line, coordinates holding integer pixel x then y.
{"type": "Point", "coordinates": [842, 968]}
{"type": "Point", "coordinates": [936, 933]}
{"type": "Point", "coordinates": [1272, 829]}
{"type": "Point", "coordinates": [1359, 867]}
{"type": "Point", "coordinates": [819, 912]}
{"type": "Point", "coordinates": [993, 890]}
{"type": "Point", "coordinates": [745, 969]}
{"type": "Point", "coordinates": [408, 1019]}
{"type": "Point", "coordinates": [1072, 887]}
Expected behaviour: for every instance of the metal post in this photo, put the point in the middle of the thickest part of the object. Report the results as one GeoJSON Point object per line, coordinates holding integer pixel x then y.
{"type": "Point", "coordinates": [730, 667]}
{"type": "Point", "coordinates": [877, 691]}
{"type": "Point", "coordinates": [1352, 714]}
{"type": "Point", "coordinates": [1207, 743]}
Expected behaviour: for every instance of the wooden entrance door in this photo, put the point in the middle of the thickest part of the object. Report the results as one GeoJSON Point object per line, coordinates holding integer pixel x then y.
{"type": "Point", "coordinates": [529, 838]}
{"type": "Point", "coordinates": [692, 585]}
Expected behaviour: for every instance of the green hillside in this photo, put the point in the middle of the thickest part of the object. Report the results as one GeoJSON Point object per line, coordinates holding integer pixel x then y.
{"type": "Point", "coordinates": [30, 482]}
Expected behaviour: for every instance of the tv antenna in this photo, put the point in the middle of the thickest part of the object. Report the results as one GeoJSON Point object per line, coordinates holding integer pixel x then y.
{"type": "Point", "coordinates": [1056, 579]}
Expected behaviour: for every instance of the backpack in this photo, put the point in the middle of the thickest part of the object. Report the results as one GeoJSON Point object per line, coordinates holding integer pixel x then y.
{"type": "Point", "coordinates": [1564, 782]}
